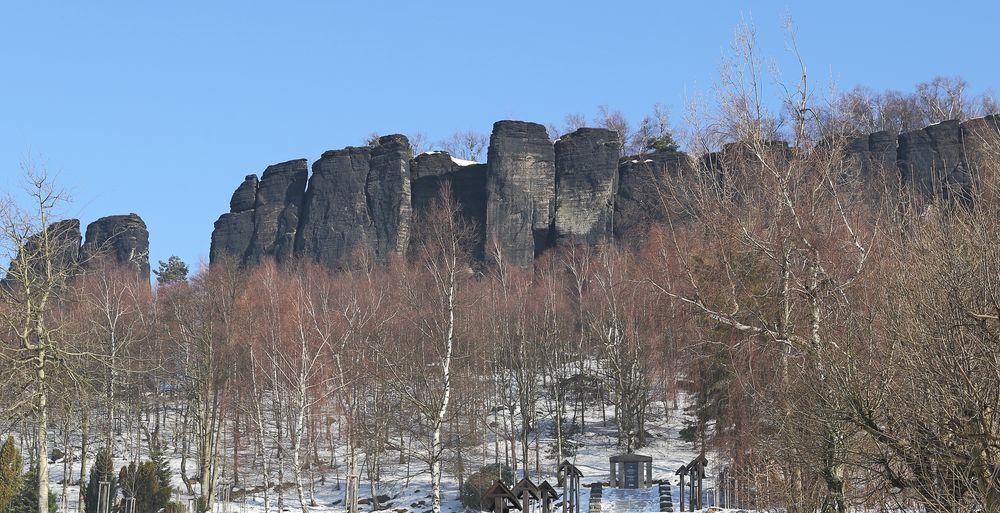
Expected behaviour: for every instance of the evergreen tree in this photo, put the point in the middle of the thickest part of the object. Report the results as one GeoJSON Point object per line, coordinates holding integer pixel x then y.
{"type": "Point", "coordinates": [663, 143]}
{"type": "Point", "coordinates": [174, 270]}
{"type": "Point", "coordinates": [27, 500]}
{"type": "Point", "coordinates": [103, 469]}
{"type": "Point", "coordinates": [158, 458]}
{"type": "Point", "coordinates": [143, 483]}
{"type": "Point", "coordinates": [11, 466]}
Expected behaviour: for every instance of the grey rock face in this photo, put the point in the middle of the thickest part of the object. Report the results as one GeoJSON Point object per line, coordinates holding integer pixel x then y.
{"type": "Point", "coordinates": [875, 155]}
{"type": "Point", "coordinates": [277, 206]}
{"type": "Point", "coordinates": [231, 237]}
{"type": "Point", "coordinates": [123, 238]}
{"type": "Point", "coordinates": [64, 239]}
{"type": "Point", "coordinates": [930, 159]}
{"type": "Point", "coordinates": [642, 197]}
{"type": "Point", "coordinates": [521, 186]}
{"type": "Point", "coordinates": [335, 219]}
{"type": "Point", "coordinates": [388, 194]}
{"type": "Point", "coordinates": [433, 172]}
{"type": "Point", "coordinates": [586, 163]}
{"type": "Point", "coordinates": [245, 195]}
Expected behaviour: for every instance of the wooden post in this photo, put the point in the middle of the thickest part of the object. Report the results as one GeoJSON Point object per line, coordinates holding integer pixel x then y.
{"type": "Point", "coordinates": [681, 491]}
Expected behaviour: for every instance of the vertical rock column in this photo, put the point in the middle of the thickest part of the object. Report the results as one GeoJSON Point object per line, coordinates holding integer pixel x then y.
{"type": "Point", "coordinates": [277, 208]}
{"type": "Point", "coordinates": [521, 186]}
{"type": "Point", "coordinates": [388, 195]}
{"type": "Point", "coordinates": [234, 230]}
{"type": "Point", "coordinates": [586, 183]}
{"type": "Point", "coordinates": [124, 238]}
{"type": "Point", "coordinates": [335, 219]}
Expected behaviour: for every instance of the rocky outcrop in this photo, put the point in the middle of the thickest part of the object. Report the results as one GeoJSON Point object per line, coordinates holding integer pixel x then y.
{"type": "Point", "coordinates": [388, 194]}
{"type": "Point", "coordinates": [932, 159]}
{"type": "Point", "coordinates": [63, 243]}
{"type": "Point", "coordinates": [532, 194]}
{"type": "Point", "coordinates": [875, 154]}
{"type": "Point", "coordinates": [437, 171]}
{"type": "Point", "coordinates": [234, 231]}
{"type": "Point", "coordinates": [335, 219]}
{"type": "Point", "coordinates": [231, 237]}
{"type": "Point", "coordinates": [642, 199]}
{"type": "Point", "coordinates": [122, 238]}
{"type": "Point", "coordinates": [521, 190]}
{"type": "Point", "coordinates": [586, 167]}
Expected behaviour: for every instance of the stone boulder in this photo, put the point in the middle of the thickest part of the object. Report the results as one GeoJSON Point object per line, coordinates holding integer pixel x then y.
{"type": "Point", "coordinates": [586, 164]}
{"type": "Point", "coordinates": [277, 206]}
{"type": "Point", "coordinates": [520, 208]}
{"type": "Point", "coordinates": [335, 220]}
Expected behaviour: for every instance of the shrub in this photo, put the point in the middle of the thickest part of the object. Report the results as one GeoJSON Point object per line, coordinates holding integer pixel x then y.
{"type": "Point", "coordinates": [480, 481]}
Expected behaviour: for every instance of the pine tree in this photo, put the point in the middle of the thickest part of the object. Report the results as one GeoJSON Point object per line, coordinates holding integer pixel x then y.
{"type": "Point", "coordinates": [11, 479]}
{"type": "Point", "coordinates": [27, 500]}
{"type": "Point", "coordinates": [143, 483]}
{"type": "Point", "coordinates": [174, 270]}
{"type": "Point", "coordinates": [159, 459]}
{"type": "Point", "coordinates": [103, 469]}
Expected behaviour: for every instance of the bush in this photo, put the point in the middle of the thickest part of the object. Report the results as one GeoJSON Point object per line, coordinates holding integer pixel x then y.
{"type": "Point", "coordinates": [143, 484]}
{"type": "Point", "coordinates": [480, 481]}
{"type": "Point", "coordinates": [103, 468]}
{"type": "Point", "coordinates": [11, 466]}
{"type": "Point", "coordinates": [27, 501]}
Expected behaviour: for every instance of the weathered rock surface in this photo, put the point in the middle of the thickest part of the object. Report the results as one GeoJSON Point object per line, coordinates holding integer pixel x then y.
{"type": "Point", "coordinates": [388, 194]}
{"type": "Point", "coordinates": [932, 160]}
{"type": "Point", "coordinates": [231, 237]}
{"type": "Point", "coordinates": [586, 166]}
{"type": "Point", "coordinates": [335, 219]}
{"type": "Point", "coordinates": [277, 206]}
{"type": "Point", "coordinates": [245, 195]}
{"type": "Point", "coordinates": [433, 172]}
{"type": "Point", "coordinates": [64, 242]}
{"type": "Point", "coordinates": [521, 184]}
{"type": "Point", "coordinates": [642, 196]}
{"type": "Point", "coordinates": [531, 194]}
{"type": "Point", "coordinates": [123, 238]}
{"type": "Point", "coordinates": [878, 155]}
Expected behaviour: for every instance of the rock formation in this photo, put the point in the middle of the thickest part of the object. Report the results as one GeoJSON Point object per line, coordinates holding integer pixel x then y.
{"type": "Point", "coordinates": [388, 193]}
{"type": "Point", "coordinates": [532, 193]}
{"type": "Point", "coordinates": [121, 239]}
{"type": "Point", "coordinates": [642, 197]}
{"type": "Point", "coordinates": [63, 242]}
{"type": "Point", "coordinates": [586, 184]}
{"type": "Point", "coordinates": [434, 172]}
{"type": "Point", "coordinates": [124, 238]}
{"type": "Point", "coordinates": [335, 220]}
{"type": "Point", "coordinates": [521, 185]}
{"type": "Point", "coordinates": [277, 206]}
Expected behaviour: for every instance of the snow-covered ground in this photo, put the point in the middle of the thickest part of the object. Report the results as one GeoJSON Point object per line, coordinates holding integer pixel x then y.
{"type": "Point", "coordinates": [411, 492]}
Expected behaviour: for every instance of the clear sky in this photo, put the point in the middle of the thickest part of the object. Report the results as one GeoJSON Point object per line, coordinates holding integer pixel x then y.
{"type": "Point", "coordinates": [161, 108]}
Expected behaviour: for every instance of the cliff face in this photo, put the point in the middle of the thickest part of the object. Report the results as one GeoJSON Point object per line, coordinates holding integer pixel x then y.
{"type": "Point", "coordinates": [531, 194]}
{"type": "Point", "coordinates": [521, 191]}
{"type": "Point", "coordinates": [586, 183]}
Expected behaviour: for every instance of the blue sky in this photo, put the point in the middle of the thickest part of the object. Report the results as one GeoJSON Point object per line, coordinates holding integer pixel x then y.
{"type": "Point", "coordinates": [161, 108]}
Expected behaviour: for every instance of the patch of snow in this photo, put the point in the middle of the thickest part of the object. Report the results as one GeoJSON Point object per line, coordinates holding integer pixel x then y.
{"type": "Point", "coordinates": [463, 162]}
